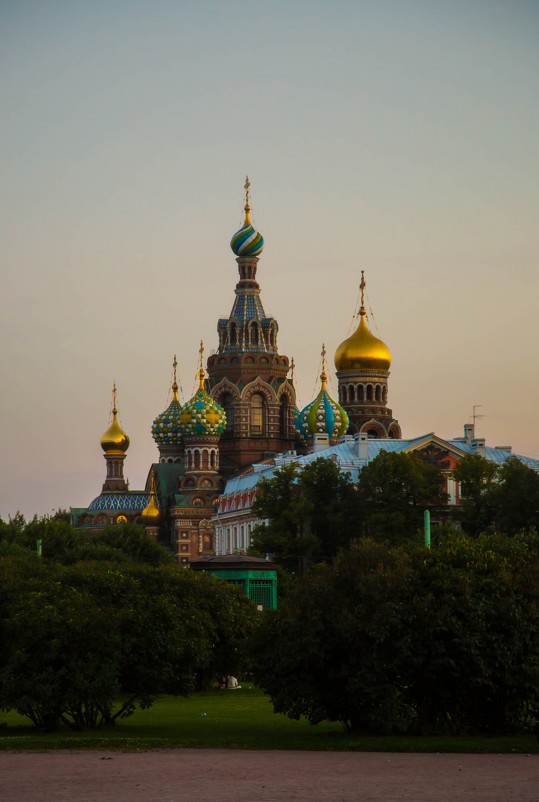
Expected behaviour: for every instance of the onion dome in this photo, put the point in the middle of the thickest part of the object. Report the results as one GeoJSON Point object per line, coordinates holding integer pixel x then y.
{"type": "Point", "coordinates": [362, 351]}
{"type": "Point", "coordinates": [166, 428]}
{"type": "Point", "coordinates": [247, 241]}
{"type": "Point", "coordinates": [202, 416]}
{"type": "Point", "coordinates": [115, 440]}
{"type": "Point", "coordinates": [150, 514]}
{"type": "Point", "coordinates": [323, 415]}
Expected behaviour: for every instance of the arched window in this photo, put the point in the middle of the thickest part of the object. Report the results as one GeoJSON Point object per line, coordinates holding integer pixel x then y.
{"type": "Point", "coordinates": [253, 333]}
{"type": "Point", "coordinates": [257, 414]}
{"type": "Point", "coordinates": [360, 393]}
{"type": "Point", "coordinates": [369, 392]}
{"type": "Point", "coordinates": [378, 393]}
{"type": "Point", "coordinates": [373, 433]}
{"type": "Point", "coordinates": [351, 394]}
{"type": "Point", "coordinates": [384, 395]}
{"type": "Point", "coordinates": [233, 334]}
{"type": "Point", "coordinates": [343, 395]}
{"type": "Point", "coordinates": [197, 459]}
{"type": "Point", "coordinates": [284, 416]}
{"type": "Point", "coordinates": [227, 402]}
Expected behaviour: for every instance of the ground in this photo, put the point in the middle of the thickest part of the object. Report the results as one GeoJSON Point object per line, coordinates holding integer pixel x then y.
{"type": "Point", "coordinates": [197, 775]}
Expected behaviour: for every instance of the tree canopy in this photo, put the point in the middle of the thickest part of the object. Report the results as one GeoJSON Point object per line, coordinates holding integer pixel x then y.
{"type": "Point", "coordinates": [310, 513]}
{"type": "Point", "coordinates": [395, 489]}
{"type": "Point", "coordinates": [393, 638]}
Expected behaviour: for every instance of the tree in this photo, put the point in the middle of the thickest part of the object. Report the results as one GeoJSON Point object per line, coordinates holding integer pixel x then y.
{"type": "Point", "coordinates": [395, 489]}
{"type": "Point", "coordinates": [515, 499]}
{"type": "Point", "coordinates": [310, 513]}
{"type": "Point", "coordinates": [393, 639]}
{"type": "Point", "coordinates": [477, 477]}
{"type": "Point", "coordinates": [76, 636]}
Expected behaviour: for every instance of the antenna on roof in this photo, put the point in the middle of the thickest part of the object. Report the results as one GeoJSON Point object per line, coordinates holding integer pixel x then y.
{"type": "Point", "coordinates": [474, 416]}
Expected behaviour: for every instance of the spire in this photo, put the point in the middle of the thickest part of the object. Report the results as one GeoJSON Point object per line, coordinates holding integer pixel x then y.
{"type": "Point", "coordinates": [247, 208]}
{"type": "Point", "coordinates": [362, 286]}
{"type": "Point", "coordinates": [292, 367]}
{"type": "Point", "coordinates": [114, 409]}
{"type": "Point", "coordinates": [175, 382]}
{"type": "Point", "coordinates": [201, 373]}
{"type": "Point", "coordinates": [323, 375]}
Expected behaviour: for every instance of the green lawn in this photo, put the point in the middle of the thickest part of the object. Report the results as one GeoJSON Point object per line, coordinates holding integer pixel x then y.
{"type": "Point", "coordinates": [241, 719]}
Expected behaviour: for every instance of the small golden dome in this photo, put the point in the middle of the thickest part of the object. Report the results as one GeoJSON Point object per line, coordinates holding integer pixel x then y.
{"type": "Point", "coordinates": [150, 514]}
{"type": "Point", "coordinates": [362, 351]}
{"type": "Point", "coordinates": [115, 440]}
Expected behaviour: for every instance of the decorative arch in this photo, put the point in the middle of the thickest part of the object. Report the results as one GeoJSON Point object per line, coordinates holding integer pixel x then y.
{"type": "Point", "coordinates": [225, 386]}
{"type": "Point", "coordinates": [261, 387]}
{"type": "Point", "coordinates": [395, 431]}
{"type": "Point", "coordinates": [373, 428]}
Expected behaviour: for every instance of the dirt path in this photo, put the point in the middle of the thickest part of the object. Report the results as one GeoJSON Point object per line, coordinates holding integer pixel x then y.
{"type": "Point", "coordinates": [219, 775]}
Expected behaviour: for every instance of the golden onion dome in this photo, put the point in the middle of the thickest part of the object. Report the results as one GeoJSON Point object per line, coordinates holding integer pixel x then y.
{"type": "Point", "coordinates": [362, 351]}
{"type": "Point", "coordinates": [115, 440]}
{"type": "Point", "coordinates": [150, 514]}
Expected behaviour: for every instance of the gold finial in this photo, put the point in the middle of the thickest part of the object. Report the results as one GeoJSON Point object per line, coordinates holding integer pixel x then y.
{"type": "Point", "coordinates": [152, 484]}
{"type": "Point", "coordinates": [201, 371]}
{"type": "Point", "coordinates": [362, 286]}
{"type": "Point", "coordinates": [247, 208]}
{"type": "Point", "coordinates": [175, 382]}
{"type": "Point", "coordinates": [323, 375]}
{"type": "Point", "coordinates": [292, 366]}
{"type": "Point", "coordinates": [114, 409]}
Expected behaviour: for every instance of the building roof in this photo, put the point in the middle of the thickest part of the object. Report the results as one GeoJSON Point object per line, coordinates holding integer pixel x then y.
{"type": "Point", "coordinates": [345, 454]}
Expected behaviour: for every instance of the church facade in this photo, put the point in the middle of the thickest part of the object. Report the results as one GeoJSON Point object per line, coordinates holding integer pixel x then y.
{"type": "Point", "coordinates": [243, 414]}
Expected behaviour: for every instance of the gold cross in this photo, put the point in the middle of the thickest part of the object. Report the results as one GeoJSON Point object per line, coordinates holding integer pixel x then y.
{"type": "Point", "coordinates": [246, 188]}
{"type": "Point", "coordinates": [212, 416]}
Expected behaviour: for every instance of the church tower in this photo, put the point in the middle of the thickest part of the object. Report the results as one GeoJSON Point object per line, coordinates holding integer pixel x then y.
{"type": "Point", "coordinates": [247, 376]}
{"type": "Point", "coordinates": [114, 443]}
{"type": "Point", "coordinates": [362, 363]}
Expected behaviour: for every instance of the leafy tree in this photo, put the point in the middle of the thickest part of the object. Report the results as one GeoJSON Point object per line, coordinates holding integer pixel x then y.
{"type": "Point", "coordinates": [75, 636]}
{"type": "Point", "coordinates": [394, 639]}
{"type": "Point", "coordinates": [310, 513]}
{"type": "Point", "coordinates": [62, 543]}
{"type": "Point", "coordinates": [477, 477]}
{"type": "Point", "coordinates": [395, 489]}
{"type": "Point", "coordinates": [515, 499]}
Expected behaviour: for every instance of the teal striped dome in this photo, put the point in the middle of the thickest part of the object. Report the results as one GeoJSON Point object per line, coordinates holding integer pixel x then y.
{"type": "Point", "coordinates": [247, 241]}
{"type": "Point", "coordinates": [323, 415]}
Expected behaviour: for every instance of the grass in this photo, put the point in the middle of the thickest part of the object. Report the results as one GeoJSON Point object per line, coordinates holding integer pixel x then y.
{"type": "Point", "coordinates": [242, 719]}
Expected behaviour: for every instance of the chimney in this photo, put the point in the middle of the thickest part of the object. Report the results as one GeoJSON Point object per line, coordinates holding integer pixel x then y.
{"type": "Point", "coordinates": [478, 446]}
{"type": "Point", "coordinates": [320, 442]}
{"type": "Point", "coordinates": [362, 439]}
{"type": "Point", "coordinates": [469, 433]}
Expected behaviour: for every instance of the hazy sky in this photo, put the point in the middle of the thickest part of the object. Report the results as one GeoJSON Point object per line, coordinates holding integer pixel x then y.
{"type": "Point", "coordinates": [401, 138]}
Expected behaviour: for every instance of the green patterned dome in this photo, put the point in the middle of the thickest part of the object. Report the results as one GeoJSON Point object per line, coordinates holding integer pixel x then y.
{"type": "Point", "coordinates": [202, 416]}
{"type": "Point", "coordinates": [166, 428]}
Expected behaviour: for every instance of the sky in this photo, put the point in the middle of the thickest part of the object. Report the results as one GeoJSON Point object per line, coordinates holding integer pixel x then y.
{"type": "Point", "coordinates": [399, 138]}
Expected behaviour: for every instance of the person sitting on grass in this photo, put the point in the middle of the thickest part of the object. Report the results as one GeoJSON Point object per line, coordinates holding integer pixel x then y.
{"type": "Point", "coordinates": [232, 682]}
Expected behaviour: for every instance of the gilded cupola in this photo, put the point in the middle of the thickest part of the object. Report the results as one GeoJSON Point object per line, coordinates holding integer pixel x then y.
{"type": "Point", "coordinates": [166, 428]}
{"type": "Point", "coordinates": [362, 351]}
{"type": "Point", "coordinates": [323, 415]}
{"type": "Point", "coordinates": [247, 241]}
{"type": "Point", "coordinates": [202, 416]}
{"type": "Point", "coordinates": [150, 514]}
{"type": "Point", "coordinates": [115, 440]}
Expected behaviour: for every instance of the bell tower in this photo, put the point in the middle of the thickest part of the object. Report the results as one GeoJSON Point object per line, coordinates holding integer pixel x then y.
{"type": "Point", "coordinates": [362, 363]}
{"type": "Point", "coordinates": [247, 376]}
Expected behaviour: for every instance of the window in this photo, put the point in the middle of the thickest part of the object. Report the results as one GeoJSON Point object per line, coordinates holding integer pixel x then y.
{"type": "Point", "coordinates": [257, 413]}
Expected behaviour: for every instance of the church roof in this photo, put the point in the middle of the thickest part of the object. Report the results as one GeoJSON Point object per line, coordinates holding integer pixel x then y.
{"type": "Point", "coordinates": [127, 500]}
